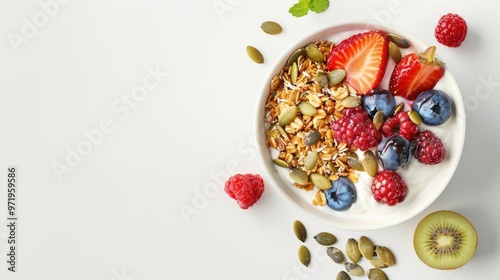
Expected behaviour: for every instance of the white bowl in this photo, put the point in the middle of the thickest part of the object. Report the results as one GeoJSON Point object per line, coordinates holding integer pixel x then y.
{"type": "Point", "coordinates": [425, 183]}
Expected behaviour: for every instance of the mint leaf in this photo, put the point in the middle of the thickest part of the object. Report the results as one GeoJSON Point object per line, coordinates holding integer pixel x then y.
{"type": "Point", "coordinates": [300, 9]}
{"type": "Point", "coordinates": [319, 6]}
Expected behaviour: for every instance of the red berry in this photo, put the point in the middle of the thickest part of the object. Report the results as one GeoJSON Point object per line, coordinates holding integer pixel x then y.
{"type": "Point", "coordinates": [356, 129]}
{"type": "Point", "coordinates": [246, 189]}
{"type": "Point", "coordinates": [430, 149]}
{"type": "Point", "coordinates": [451, 30]}
{"type": "Point", "coordinates": [388, 188]}
{"type": "Point", "coordinates": [400, 123]}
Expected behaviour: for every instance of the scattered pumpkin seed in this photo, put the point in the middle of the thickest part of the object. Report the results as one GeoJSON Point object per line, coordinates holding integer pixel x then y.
{"type": "Point", "coordinates": [281, 163]}
{"type": "Point", "coordinates": [311, 160]}
{"type": "Point", "coordinates": [399, 108]}
{"type": "Point", "coordinates": [299, 176]}
{"type": "Point", "coordinates": [336, 76]}
{"type": "Point", "coordinates": [294, 73]}
{"type": "Point", "coordinates": [300, 230]}
{"type": "Point", "coordinates": [352, 250]}
{"type": "Point", "coordinates": [314, 53]}
{"type": "Point", "coordinates": [399, 40]}
{"type": "Point", "coordinates": [304, 255]}
{"type": "Point", "coordinates": [325, 238]}
{"type": "Point", "coordinates": [355, 163]}
{"type": "Point", "coordinates": [366, 247]}
{"type": "Point", "coordinates": [311, 138]}
{"type": "Point", "coordinates": [335, 254]}
{"type": "Point", "coordinates": [342, 275]}
{"type": "Point", "coordinates": [307, 109]}
{"type": "Point", "coordinates": [271, 27]}
{"type": "Point", "coordinates": [370, 163]}
{"type": "Point", "coordinates": [333, 168]}
{"type": "Point", "coordinates": [376, 274]}
{"type": "Point", "coordinates": [295, 56]}
{"type": "Point", "coordinates": [320, 181]}
{"type": "Point", "coordinates": [378, 263]}
{"type": "Point", "coordinates": [354, 269]}
{"type": "Point", "coordinates": [321, 79]}
{"type": "Point", "coordinates": [351, 101]}
{"type": "Point", "coordinates": [378, 119]}
{"type": "Point", "coordinates": [415, 117]}
{"type": "Point", "coordinates": [282, 132]}
{"type": "Point", "coordinates": [394, 52]}
{"type": "Point", "coordinates": [385, 255]}
{"type": "Point", "coordinates": [287, 115]}
{"type": "Point", "coordinates": [255, 55]}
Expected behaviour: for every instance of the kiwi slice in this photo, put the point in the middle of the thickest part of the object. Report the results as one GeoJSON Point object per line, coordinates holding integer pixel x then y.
{"type": "Point", "coordinates": [445, 240]}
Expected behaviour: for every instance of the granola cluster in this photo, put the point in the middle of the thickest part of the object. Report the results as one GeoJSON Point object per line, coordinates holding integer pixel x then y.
{"type": "Point", "coordinates": [290, 89]}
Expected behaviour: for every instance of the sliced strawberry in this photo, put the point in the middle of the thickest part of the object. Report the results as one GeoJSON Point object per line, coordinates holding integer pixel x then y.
{"type": "Point", "coordinates": [364, 58]}
{"type": "Point", "coordinates": [415, 73]}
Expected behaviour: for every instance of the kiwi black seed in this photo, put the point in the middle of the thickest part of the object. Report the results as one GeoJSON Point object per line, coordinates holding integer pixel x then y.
{"type": "Point", "coordinates": [445, 240]}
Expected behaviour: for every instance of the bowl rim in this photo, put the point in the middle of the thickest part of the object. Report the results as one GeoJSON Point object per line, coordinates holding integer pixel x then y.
{"type": "Point", "coordinates": [259, 128]}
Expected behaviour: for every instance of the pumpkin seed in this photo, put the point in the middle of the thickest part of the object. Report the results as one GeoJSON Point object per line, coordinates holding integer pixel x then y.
{"type": "Point", "coordinates": [314, 53]}
{"type": "Point", "coordinates": [325, 238]}
{"type": "Point", "coordinates": [354, 269]}
{"type": "Point", "coordinates": [352, 250]}
{"type": "Point", "coordinates": [294, 73]}
{"type": "Point", "coordinates": [336, 76]}
{"type": "Point", "coordinates": [355, 164]}
{"type": "Point", "coordinates": [281, 163]}
{"type": "Point", "coordinates": [307, 109]}
{"type": "Point", "coordinates": [415, 117]}
{"type": "Point", "coordinates": [321, 79]}
{"type": "Point", "coordinates": [378, 119]}
{"type": "Point", "coordinates": [335, 254]}
{"type": "Point", "coordinates": [282, 132]}
{"type": "Point", "coordinates": [399, 108]}
{"type": "Point", "coordinates": [304, 255]}
{"type": "Point", "coordinates": [299, 176]}
{"type": "Point", "coordinates": [310, 160]}
{"type": "Point", "coordinates": [342, 275]}
{"type": "Point", "coordinates": [311, 138]}
{"type": "Point", "coordinates": [376, 274]}
{"type": "Point", "coordinates": [351, 101]}
{"type": "Point", "coordinates": [333, 168]}
{"type": "Point", "coordinates": [378, 263]}
{"type": "Point", "coordinates": [300, 230]}
{"type": "Point", "coordinates": [255, 55]}
{"type": "Point", "coordinates": [366, 247]}
{"type": "Point", "coordinates": [385, 255]}
{"type": "Point", "coordinates": [271, 27]}
{"type": "Point", "coordinates": [320, 181]}
{"type": "Point", "coordinates": [399, 40]}
{"type": "Point", "coordinates": [394, 52]}
{"type": "Point", "coordinates": [370, 163]}
{"type": "Point", "coordinates": [295, 56]}
{"type": "Point", "coordinates": [287, 115]}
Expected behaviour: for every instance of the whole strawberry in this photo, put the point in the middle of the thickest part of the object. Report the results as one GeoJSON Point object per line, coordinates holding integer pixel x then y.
{"type": "Point", "coordinates": [246, 189]}
{"type": "Point", "coordinates": [388, 188]}
{"type": "Point", "coordinates": [430, 149]}
{"type": "Point", "coordinates": [451, 30]}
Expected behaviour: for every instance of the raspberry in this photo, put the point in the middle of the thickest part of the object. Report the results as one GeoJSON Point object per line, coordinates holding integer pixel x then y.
{"type": "Point", "coordinates": [451, 30]}
{"type": "Point", "coordinates": [388, 188]}
{"type": "Point", "coordinates": [430, 149]}
{"type": "Point", "coordinates": [400, 123]}
{"type": "Point", "coordinates": [356, 129]}
{"type": "Point", "coordinates": [246, 189]}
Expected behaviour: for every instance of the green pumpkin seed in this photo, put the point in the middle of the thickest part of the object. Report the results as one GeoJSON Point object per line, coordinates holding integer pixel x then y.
{"type": "Point", "coordinates": [314, 53]}
{"type": "Point", "coordinates": [394, 52]}
{"type": "Point", "coordinates": [325, 238]}
{"type": "Point", "coordinates": [294, 73]}
{"type": "Point", "coordinates": [399, 40]}
{"type": "Point", "coordinates": [376, 274]}
{"type": "Point", "coordinates": [312, 137]}
{"type": "Point", "coordinates": [320, 181]}
{"type": "Point", "coordinates": [335, 254]}
{"type": "Point", "coordinates": [370, 163]}
{"type": "Point", "coordinates": [299, 176]}
{"type": "Point", "coordinates": [271, 27]}
{"type": "Point", "coordinates": [311, 160]}
{"type": "Point", "coordinates": [336, 76]}
{"type": "Point", "coordinates": [355, 164]}
{"type": "Point", "coordinates": [378, 263]}
{"type": "Point", "coordinates": [351, 101]}
{"type": "Point", "coordinates": [300, 230]}
{"type": "Point", "coordinates": [255, 55]}
{"type": "Point", "coordinates": [342, 275]}
{"type": "Point", "coordinates": [385, 255]}
{"type": "Point", "coordinates": [281, 163]}
{"type": "Point", "coordinates": [307, 109]}
{"type": "Point", "coordinates": [282, 132]}
{"type": "Point", "coordinates": [304, 255]}
{"type": "Point", "coordinates": [331, 166]}
{"type": "Point", "coordinates": [295, 56]}
{"type": "Point", "coordinates": [321, 79]}
{"type": "Point", "coordinates": [287, 115]}
{"type": "Point", "coordinates": [399, 108]}
{"type": "Point", "coordinates": [354, 269]}
{"type": "Point", "coordinates": [378, 119]}
{"type": "Point", "coordinates": [352, 250]}
{"type": "Point", "coordinates": [366, 247]}
{"type": "Point", "coordinates": [415, 117]}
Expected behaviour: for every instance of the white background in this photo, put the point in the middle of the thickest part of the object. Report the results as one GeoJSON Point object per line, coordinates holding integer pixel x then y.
{"type": "Point", "coordinates": [115, 211]}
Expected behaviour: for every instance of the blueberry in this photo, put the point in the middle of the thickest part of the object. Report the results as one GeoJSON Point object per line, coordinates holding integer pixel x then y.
{"type": "Point", "coordinates": [379, 100]}
{"type": "Point", "coordinates": [341, 195]}
{"type": "Point", "coordinates": [394, 152]}
{"type": "Point", "coordinates": [433, 106]}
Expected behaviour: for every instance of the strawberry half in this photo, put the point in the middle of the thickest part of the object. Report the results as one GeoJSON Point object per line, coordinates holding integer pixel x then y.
{"type": "Point", "coordinates": [364, 58]}
{"type": "Point", "coordinates": [415, 73]}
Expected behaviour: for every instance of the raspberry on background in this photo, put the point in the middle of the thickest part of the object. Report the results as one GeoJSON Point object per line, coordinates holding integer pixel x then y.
{"type": "Point", "coordinates": [246, 189]}
{"type": "Point", "coordinates": [451, 30]}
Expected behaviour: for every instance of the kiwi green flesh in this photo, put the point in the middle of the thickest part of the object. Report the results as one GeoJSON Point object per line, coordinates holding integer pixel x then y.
{"type": "Point", "coordinates": [445, 240]}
